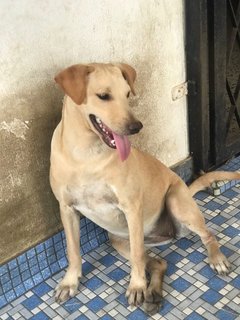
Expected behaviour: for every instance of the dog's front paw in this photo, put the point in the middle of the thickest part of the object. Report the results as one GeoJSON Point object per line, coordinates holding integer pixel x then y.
{"type": "Point", "coordinates": [220, 264]}
{"type": "Point", "coordinates": [67, 288]}
{"type": "Point", "coordinates": [136, 294]}
{"type": "Point", "coordinates": [64, 292]}
{"type": "Point", "coordinates": [153, 301]}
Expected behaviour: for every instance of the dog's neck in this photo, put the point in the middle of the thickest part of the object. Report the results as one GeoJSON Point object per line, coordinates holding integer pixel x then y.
{"type": "Point", "coordinates": [78, 140]}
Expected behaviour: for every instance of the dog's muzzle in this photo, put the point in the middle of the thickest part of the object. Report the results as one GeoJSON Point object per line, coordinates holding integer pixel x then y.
{"type": "Point", "coordinates": [115, 140]}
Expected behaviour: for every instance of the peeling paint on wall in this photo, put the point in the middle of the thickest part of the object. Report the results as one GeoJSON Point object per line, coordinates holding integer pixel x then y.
{"type": "Point", "coordinates": [16, 127]}
{"type": "Point", "coordinates": [9, 184]}
{"type": "Point", "coordinates": [14, 181]}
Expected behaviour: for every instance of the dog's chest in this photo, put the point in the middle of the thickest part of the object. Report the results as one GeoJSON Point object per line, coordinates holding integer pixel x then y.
{"type": "Point", "coordinates": [98, 202]}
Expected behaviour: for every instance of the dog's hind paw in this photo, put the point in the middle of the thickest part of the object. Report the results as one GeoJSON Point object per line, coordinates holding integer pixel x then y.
{"type": "Point", "coordinates": [220, 264]}
{"type": "Point", "coordinates": [153, 301]}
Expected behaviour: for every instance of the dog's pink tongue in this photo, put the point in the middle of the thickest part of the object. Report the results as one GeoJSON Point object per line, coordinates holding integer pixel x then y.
{"type": "Point", "coordinates": [123, 146]}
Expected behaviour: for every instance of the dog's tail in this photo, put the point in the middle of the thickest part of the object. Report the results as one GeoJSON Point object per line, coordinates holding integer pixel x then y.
{"type": "Point", "coordinates": [205, 180]}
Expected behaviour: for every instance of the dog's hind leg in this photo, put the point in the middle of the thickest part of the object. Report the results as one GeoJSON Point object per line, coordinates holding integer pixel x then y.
{"type": "Point", "coordinates": [68, 286]}
{"type": "Point", "coordinates": [154, 267]}
{"type": "Point", "coordinates": [183, 207]}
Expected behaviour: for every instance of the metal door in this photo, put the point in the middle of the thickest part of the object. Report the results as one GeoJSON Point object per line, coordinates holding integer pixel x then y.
{"type": "Point", "coordinates": [213, 68]}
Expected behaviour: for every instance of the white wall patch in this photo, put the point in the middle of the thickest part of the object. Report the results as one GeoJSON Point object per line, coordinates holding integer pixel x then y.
{"type": "Point", "coordinates": [16, 127]}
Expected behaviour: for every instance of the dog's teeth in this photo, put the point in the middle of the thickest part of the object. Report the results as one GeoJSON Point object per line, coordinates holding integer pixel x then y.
{"type": "Point", "coordinates": [98, 120]}
{"type": "Point", "coordinates": [101, 126]}
{"type": "Point", "coordinates": [113, 142]}
{"type": "Point", "coordinates": [106, 132]}
{"type": "Point", "coordinates": [103, 130]}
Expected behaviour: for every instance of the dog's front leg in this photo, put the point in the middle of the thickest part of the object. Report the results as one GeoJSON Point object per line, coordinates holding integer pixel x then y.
{"type": "Point", "coordinates": [71, 223]}
{"type": "Point", "coordinates": [136, 291]}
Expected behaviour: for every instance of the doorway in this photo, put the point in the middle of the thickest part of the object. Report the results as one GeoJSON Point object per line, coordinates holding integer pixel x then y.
{"type": "Point", "coordinates": [213, 71]}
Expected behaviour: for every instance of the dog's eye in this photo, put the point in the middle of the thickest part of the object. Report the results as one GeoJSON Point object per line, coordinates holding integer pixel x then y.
{"type": "Point", "coordinates": [128, 95]}
{"type": "Point", "coordinates": [104, 96]}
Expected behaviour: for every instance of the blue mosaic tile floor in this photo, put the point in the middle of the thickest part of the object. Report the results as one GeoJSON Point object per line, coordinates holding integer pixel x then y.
{"type": "Point", "coordinates": [191, 289]}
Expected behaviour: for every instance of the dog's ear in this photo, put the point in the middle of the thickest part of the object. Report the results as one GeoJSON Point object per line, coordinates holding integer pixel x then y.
{"type": "Point", "coordinates": [129, 75]}
{"type": "Point", "coordinates": [73, 81]}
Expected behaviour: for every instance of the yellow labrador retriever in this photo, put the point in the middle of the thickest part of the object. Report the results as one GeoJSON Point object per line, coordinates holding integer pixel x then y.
{"type": "Point", "coordinates": [137, 199]}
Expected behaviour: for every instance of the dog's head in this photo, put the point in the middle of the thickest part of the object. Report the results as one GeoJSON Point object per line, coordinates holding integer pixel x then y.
{"type": "Point", "coordinates": [102, 91]}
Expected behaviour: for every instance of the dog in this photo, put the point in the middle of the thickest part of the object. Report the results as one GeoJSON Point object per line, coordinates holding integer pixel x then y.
{"type": "Point", "coordinates": [137, 199]}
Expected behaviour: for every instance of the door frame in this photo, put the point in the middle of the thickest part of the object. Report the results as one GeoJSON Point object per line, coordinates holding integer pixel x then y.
{"type": "Point", "coordinates": [198, 82]}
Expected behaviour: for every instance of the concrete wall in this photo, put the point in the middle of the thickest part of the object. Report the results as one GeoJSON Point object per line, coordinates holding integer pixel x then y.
{"type": "Point", "coordinates": [39, 38]}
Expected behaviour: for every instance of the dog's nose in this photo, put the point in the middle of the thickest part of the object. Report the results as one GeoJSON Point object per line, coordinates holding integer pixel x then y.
{"type": "Point", "coordinates": [135, 127]}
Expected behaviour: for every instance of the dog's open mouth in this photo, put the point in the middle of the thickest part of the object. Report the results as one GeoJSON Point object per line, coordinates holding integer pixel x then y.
{"type": "Point", "coordinates": [112, 139]}
{"type": "Point", "coordinates": [105, 132]}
